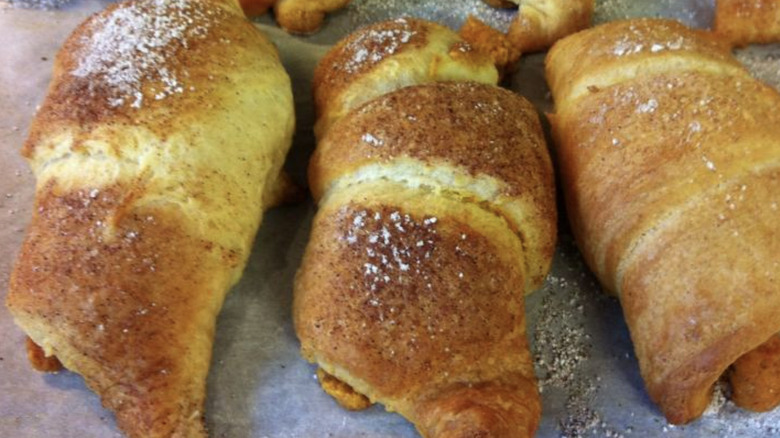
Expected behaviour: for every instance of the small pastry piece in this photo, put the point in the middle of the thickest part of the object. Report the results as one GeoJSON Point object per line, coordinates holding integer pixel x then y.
{"type": "Point", "coordinates": [255, 8]}
{"type": "Point", "coordinates": [436, 215]}
{"type": "Point", "coordinates": [669, 155]}
{"type": "Point", "coordinates": [156, 150]}
{"type": "Point", "coordinates": [347, 397]}
{"type": "Point", "coordinates": [743, 22]}
{"type": "Point", "coordinates": [304, 16]}
{"type": "Point", "coordinates": [488, 40]}
{"type": "Point", "coordinates": [39, 360]}
{"type": "Point", "coordinates": [540, 23]}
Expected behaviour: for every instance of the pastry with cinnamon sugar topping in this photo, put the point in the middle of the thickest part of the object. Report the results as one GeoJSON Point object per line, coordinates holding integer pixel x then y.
{"type": "Point", "coordinates": [152, 176]}
{"type": "Point", "coordinates": [670, 166]}
{"type": "Point", "coordinates": [436, 216]}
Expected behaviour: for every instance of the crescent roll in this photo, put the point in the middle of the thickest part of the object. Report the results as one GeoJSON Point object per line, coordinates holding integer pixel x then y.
{"type": "Point", "coordinates": [436, 215]}
{"type": "Point", "coordinates": [156, 150]}
{"type": "Point", "coordinates": [669, 155]}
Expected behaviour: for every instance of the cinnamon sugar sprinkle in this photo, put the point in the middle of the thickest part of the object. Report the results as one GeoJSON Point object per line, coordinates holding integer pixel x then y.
{"type": "Point", "coordinates": [137, 43]}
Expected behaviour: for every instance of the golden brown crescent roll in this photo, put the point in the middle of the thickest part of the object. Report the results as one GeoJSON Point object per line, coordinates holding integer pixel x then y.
{"type": "Point", "coordinates": [743, 22]}
{"type": "Point", "coordinates": [157, 148]}
{"type": "Point", "coordinates": [436, 215]}
{"type": "Point", "coordinates": [670, 160]}
{"type": "Point", "coordinates": [540, 23]}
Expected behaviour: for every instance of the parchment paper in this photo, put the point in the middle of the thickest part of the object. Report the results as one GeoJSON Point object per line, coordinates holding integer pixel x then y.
{"type": "Point", "coordinates": [258, 385]}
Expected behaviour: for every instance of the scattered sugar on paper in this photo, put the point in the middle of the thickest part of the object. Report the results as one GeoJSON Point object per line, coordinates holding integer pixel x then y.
{"type": "Point", "coordinates": [45, 5]}
{"type": "Point", "coordinates": [450, 13]}
{"type": "Point", "coordinates": [561, 346]}
{"type": "Point", "coordinates": [696, 14]}
{"type": "Point", "coordinates": [763, 63]}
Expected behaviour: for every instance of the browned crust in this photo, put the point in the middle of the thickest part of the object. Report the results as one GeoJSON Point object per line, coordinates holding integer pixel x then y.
{"type": "Point", "coordinates": [344, 394]}
{"type": "Point", "coordinates": [755, 377]}
{"type": "Point", "coordinates": [128, 299]}
{"type": "Point", "coordinates": [39, 360]}
{"type": "Point", "coordinates": [453, 314]}
{"type": "Point", "coordinates": [679, 224]}
{"type": "Point", "coordinates": [483, 410]}
{"type": "Point", "coordinates": [742, 22]}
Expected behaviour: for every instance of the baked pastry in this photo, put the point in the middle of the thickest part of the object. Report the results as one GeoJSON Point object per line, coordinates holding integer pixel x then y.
{"type": "Point", "coordinates": [536, 26]}
{"type": "Point", "coordinates": [156, 150]}
{"type": "Point", "coordinates": [488, 40]}
{"type": "Point", "coordinates": [668, 153]}
{"type": "Point", "coordinates": [743, 22]}
{"type": "Point", "coordinates": [301, 17]}
{"type": "Point", "coordinates": [436, 215]}
{"type": "Point", "coordinates": [304, 16]}
{"type": "Point", "coordinates": [540, 23]}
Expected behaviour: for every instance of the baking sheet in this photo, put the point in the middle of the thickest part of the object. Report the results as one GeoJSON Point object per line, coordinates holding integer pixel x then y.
{"type": "Point", "coordinates": [258, 385]}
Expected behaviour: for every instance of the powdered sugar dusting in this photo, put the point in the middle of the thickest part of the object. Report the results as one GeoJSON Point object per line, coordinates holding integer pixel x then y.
{"type": "Point", "coordinates": [453, 14]}
{"type": "Point", "coordinates": [648, 107]}
{"type": "Point", "coordinates": [695, 13]}
{"type": "Point", "coordinates": [372, 139]}
{"type": "Point", "coordinates": [136, 43]}
{"type": "Point", "coordinates": [634, 41]}
{"type": "Point", "coordinates": [374, 45]}
{"type": "Point", "coordinates": [390, 251]}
